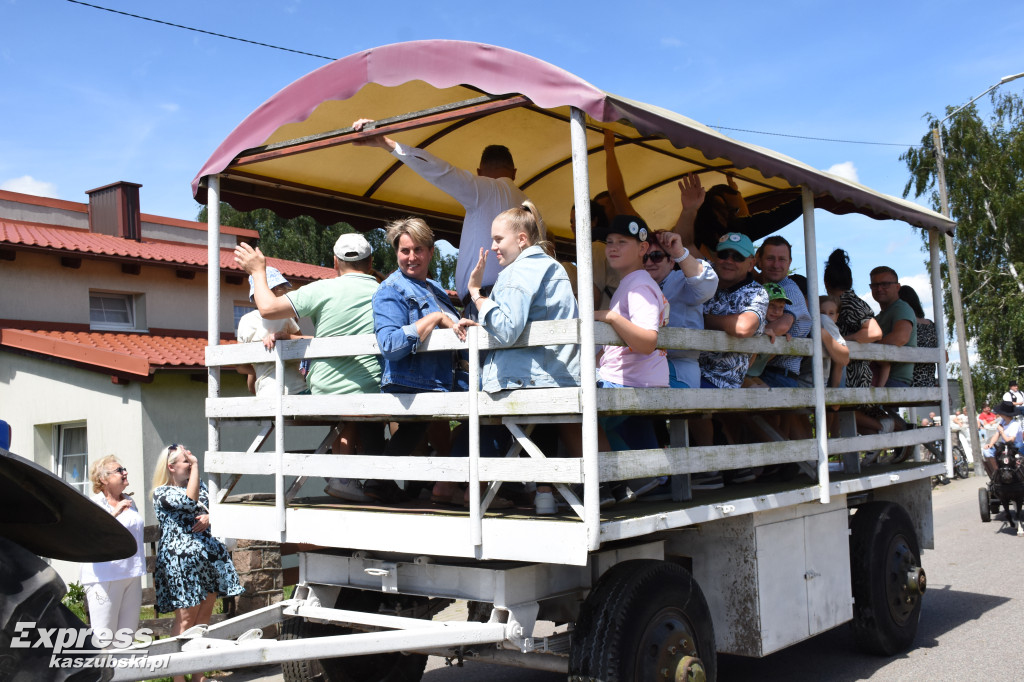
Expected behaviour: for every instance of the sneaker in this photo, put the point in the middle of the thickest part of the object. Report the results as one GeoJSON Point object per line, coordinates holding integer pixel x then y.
{"type": "Point", "coordinates": [545, 503]}
{"type": "Point", "coordinates": [346, 489]}
{"type": "Point", "coordinates": [386, 492]}
{"type": "Point", "coordinates": [711, 480]}
{"type": "Point", "coordinates": [740, 476]}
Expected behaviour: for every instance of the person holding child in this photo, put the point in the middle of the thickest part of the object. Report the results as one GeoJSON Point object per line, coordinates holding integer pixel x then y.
{"type": "Point", "coordinates": [777, 302]}
{"type": "Point", "coordinates": [532, 287]}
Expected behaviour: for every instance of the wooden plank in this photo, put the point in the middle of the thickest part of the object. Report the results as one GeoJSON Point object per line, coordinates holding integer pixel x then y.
{"type": "Point", "coordinates": [397, 468]}
{"type": "Point", "coordinates": [677, 400]}
{"type": "Point", "coordinates": [881, 396]}
{"type": "Point", "coordinates": [883, 352]}
{"type": "Point", "coordinates": [624, 465]}
{"type": "Point", "coordinates": [385, 406]}
{"type": "Point", "coordinates": [882, 441]}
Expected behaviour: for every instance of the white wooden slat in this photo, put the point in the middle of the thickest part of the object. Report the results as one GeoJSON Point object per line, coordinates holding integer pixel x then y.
{"type": "Point", "coordinates": [881, 441]}
{"type": "Point", "coordinates": [624, 465]}
{"type": "Point", "coordinates": [396, 468]}
{"type": "Point", "coordinates": [883, 352]}
{"type": "Point", "coordinates": [391, 405]}
{"type": "Point", "coordinates": [878, 396]}
{"type": "Point", "coordinates": [674, 400]}
{"type": "Point", "coordinates": [701, 339]}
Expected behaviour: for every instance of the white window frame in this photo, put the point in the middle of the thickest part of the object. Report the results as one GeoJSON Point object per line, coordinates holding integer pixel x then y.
{"type": "Point", "coordinates": [60, 456]}
{"type": "Point", "coordinates": [128, 299]}
{"type": "Point", "coordinates": [239, 309]}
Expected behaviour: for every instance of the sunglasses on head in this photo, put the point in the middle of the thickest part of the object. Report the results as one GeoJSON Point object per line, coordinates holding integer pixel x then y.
{"type": "Point", "coordinates": [655, 256]}
{"type": "Point", "coordinates": [734, 256]}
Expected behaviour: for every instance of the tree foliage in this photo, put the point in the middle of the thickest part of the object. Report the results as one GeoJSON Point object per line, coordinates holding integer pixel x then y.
{"type": "Point", "coordinates": [984, 168]}
{"type": "Point", "coordinates": [305, 240]}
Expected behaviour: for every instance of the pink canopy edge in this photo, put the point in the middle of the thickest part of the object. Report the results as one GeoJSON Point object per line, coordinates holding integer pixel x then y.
{"type": "Point", "coordinates": [441, 63]}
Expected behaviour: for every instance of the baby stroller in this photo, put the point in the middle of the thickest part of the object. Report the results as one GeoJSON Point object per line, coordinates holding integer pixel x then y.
{"type": "Point", "coordinates": [1006, 484]}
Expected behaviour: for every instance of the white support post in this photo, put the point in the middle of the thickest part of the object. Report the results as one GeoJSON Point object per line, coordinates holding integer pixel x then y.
{"type": "Point", "coordinates": [280, 501]}
{"type": "Point", "coordinates": [588, 363]}
{"type": "Point", "coordinates": [820, 417]}
{"type": "Point", "coordinates": [213, 315]}
{"type": "Point", "coordinates": [940, 333]}
{"type": "Point", "coordinates": [475, 512]}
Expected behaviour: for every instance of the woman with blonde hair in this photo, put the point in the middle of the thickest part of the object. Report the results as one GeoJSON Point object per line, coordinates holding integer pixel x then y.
{"type": "Point", "coordinates": [113, 589]}
{"type": "Point", "coordinates": [532, 287]}
{"type": "Point", "coordinates": [192, 567]}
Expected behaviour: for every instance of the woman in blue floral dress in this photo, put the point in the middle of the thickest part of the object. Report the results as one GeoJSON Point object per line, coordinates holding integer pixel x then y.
{"type": "Point", "coordinates": [192, 567]}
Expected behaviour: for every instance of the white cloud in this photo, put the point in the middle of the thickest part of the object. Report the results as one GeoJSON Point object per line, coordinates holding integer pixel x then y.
{"type": "Point", "coordinates": [26, 184]}
{"type": "Point", "coordinates": [846, 169]}
{"type": "Point", "coordinates": [170, 107]}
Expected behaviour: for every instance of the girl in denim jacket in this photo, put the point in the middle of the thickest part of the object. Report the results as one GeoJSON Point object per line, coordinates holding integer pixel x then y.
{"type": "Point", "coordinates": [532, 287]}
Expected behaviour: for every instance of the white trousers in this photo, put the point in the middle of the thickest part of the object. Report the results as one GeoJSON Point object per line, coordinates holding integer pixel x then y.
{"type": "Point", "coordinates": [115, 604]}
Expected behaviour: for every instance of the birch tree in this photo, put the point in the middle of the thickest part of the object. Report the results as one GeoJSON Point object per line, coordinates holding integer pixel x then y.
{"type": "Point", "coordinates": [984, 164]}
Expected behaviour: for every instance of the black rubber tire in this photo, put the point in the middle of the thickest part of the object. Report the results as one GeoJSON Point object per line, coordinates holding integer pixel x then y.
{"type": "Point", "coordinates": [642, 617]}
{"type": "Point", "coordinates": [883, 549]}
{"type": "Point", "coordinates": [984, 505]}
{"type": "Point", "coordinates": [391, 667]}
{"type": "Point", "coordinates": [961, 468]}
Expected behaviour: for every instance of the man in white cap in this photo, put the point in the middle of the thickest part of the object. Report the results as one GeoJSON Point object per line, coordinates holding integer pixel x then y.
{"type": "Point", "coordinates": [253, 327]}
{"type": "Point", "coordinates": [341, 306]}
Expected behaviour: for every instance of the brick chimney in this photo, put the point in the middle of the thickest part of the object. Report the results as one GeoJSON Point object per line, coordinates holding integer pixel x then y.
{"type": "Point", "coordinates": [114, 210]}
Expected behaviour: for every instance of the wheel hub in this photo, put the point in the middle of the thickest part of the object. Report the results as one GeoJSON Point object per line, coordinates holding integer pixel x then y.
{"type": "Point", "coordinates": [668, 649]}
{"type": "Point", "coordinates": [905, 580]}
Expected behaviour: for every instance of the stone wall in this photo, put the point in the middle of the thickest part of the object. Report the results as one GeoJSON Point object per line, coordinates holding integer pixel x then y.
{"type": "Point", "coordinates": [259, 570]}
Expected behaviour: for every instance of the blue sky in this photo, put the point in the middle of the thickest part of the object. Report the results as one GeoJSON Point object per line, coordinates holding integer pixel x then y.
{"type": "Point", "coordinates": [90, 97]}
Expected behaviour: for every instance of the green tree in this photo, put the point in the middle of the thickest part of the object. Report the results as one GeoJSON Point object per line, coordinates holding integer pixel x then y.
{"type": "Point", "coordinates": [307, 241]}
{"type": "Point", "coordinates": [984, 164]}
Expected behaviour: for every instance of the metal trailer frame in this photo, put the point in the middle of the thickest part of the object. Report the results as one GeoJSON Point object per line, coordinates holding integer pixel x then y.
{"type": "Point", "coordinates": [494, 560]}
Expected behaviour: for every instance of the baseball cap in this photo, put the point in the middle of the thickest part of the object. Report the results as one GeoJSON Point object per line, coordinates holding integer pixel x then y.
{"type": "Point", "coordinates": [274, 279]}
{"type": "Point", "coordinates": [352, 246]}
{"type": "Point", "coordinates": [626, 225]}
{"type": "Point", "coordinates": [776, 292]}
{"type": "Point", "coordinates": [736, 241]}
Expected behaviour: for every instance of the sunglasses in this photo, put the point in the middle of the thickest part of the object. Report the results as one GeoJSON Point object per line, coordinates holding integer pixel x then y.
{"type": "Point", "coordinates": [655, 257]}
{"type": "Point", "coordinates": [119, 470]}
{"type": "Point", "coordinates": [734, 256]}
{"type": "Point", "coordinates": [172, 447]}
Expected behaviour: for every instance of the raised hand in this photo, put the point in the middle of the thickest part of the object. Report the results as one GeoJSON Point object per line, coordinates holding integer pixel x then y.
{"type": "Point", "coordinates": [691, 192]}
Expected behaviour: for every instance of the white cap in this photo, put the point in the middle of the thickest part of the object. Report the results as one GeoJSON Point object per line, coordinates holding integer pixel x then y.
{"type": "Point", "coordinates": [352, 246]}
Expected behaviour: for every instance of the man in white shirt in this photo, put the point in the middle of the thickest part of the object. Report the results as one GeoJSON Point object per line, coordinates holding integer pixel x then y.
{"type": "Point", "coordinates": [1014, 396]}
{"type": "Point", "coordinates": [1008, 430]}
{"type": "Point", "coordinates": [261, 377]}
{"type": "Point", "coordinates": [483, 195]}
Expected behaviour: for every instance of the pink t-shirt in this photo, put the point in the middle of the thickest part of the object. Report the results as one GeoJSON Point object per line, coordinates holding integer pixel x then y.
{"type": "Point", "coordinates": [639, 299]}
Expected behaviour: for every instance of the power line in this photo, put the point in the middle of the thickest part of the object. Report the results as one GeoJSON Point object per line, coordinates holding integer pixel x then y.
{"type": "Point", "coordinates": [199, 30]}
{"type": "Point", "coordinates": [331, 59]}
{"type": "Point", "coordinates": [816, 139]}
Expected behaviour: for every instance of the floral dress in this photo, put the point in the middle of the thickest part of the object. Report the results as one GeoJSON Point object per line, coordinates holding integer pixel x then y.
{"type": "Point", "coordinates": [188, 565]}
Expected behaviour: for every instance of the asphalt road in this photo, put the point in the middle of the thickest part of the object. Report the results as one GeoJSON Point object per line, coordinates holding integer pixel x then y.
{"type": "Point", "coordinates": [971, 626]}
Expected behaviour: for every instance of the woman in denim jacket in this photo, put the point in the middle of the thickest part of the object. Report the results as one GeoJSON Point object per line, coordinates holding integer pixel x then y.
{"type": "Point", "coordinates": [532, 287]}
{"type": "Point", "coordinates": [407, 307]}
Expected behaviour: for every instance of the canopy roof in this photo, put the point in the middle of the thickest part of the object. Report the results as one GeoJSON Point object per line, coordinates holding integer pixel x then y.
{"type": "Point", "coordinates": [454, 98]}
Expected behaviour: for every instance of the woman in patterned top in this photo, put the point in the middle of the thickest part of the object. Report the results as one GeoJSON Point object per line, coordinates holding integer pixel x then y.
{"type": "Point", "coordinates": [856, 319]}
{"type": "Point", "coordinates": [924, 372]}
{"type": "Point", "coordinates": [192, 566]}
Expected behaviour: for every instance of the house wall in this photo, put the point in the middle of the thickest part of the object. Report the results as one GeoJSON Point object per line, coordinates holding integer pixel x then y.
{"type": "Point", "coordinates": [38, 287]}
{"type": "Point", "coordinates": [134, 421]}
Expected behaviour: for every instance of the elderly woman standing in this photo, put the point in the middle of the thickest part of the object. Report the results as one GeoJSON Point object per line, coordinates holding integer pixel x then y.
{"type": "Point", "coordinates": [192, 567]}
{"type": "Point", "coordinates": [113, 588]}
{"type": "Point", "coordinates": [407, 307]}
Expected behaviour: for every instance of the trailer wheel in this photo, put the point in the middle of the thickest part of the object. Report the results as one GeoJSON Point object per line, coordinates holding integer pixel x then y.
{"type": "Point", "coordinates": [390, 667]}
{"type": "Point", "coordinates": [984, 505]}
{"type": "Point", "coordinates": [645, 620]}
{"type": "Point", "coordinates": [888, 581]}
{"type": "Point", "coordinates": [961, 469]}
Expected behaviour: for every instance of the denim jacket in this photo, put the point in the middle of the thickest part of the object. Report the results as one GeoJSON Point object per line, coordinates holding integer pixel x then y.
{"type": "Point", "coordinates": [398, 304]}
{"type": "Point", "coordinates": [533, 288]}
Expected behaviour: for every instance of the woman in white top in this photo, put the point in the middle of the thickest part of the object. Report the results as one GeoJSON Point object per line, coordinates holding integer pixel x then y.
{"type": "Point", "coordinates": [113, 588]}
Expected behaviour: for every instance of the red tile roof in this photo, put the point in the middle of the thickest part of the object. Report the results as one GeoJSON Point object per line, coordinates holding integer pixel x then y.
{"type": "Point", "coordinates": [130, 355]}
{"type": "Point", "coordinates": [62, 239]}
